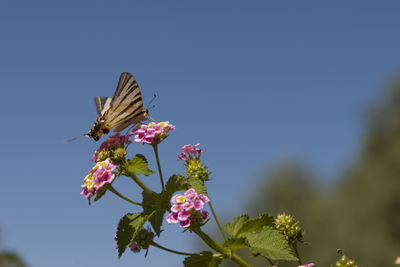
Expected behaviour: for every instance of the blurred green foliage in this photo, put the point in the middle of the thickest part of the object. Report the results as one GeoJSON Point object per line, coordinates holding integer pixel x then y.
{"type": "Point", "coordinates": [10, 260]}
{"type": "Point", "coordinates": [360, 213]}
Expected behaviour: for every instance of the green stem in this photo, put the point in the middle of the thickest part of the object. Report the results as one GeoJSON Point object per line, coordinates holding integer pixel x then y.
{"type": "Point", "coordinates": [138, 182]}
{"type": "Point", "coordinates": [270, 262]}
{"type": "Point", "coordinates": [112, 189]}
{"type": "Point", "coordinates": [171, 250]}
{"type": "Point", "coordinates": [214, 245]}
{"type": "Point", "coordinates": [297, 253]}
{"type": "Point", "coordinates": [155, 148]}
{"type": "Point", "coordinates": [216, 219]}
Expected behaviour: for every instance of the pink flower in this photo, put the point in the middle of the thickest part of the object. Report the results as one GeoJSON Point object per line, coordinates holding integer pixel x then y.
{"type": "Point", "coordinates": [99, 175]}
{"type": "Point", "coordinates": [204, 215]}
{"type": "Point", "coordinates": [307, 265]}
{"type": "Point", "coordinates": [190, 151]}
{"type": "Point", "coordinates": [109, 167]}
{"type": "Point", "coordinates": [190, 194]}
{"type": "Point", "coordinates": [176, 207]}
{"type": "Point", "coordinates": [178, 199]}
{"type": "Point", "coordinates": [152, 133]}
{"type": "Point", "coordinates": [183, 215]}
{"type": "Point", "coordinates": [187, 207]}
{"type": "Point", "coordinates": [115, 141]}
{"type": "Point", "coordinates": [198, 204]}
{"type": "Point", "coordinates": [204, 198]}
{"type": "Point", "coordinates": [172, 218]}
{"type": "Point", "coordinates": [185, 223]}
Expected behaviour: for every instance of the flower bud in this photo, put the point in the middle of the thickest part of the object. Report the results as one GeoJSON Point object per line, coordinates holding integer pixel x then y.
{"type": "Point", "coordinates": [144, 238]}
{"type": "Point", "coordinates": [114, 148]}
{"type": "Point", "coordinates": [194, 168]}
{"type": "Point", "coordinates": [288, 227]}
{"type": "Point", "coordinates": [345, 262]}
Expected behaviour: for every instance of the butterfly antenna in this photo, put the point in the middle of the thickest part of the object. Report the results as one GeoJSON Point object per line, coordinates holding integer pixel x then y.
{"type": "Point", "coordinates": [148, 105]}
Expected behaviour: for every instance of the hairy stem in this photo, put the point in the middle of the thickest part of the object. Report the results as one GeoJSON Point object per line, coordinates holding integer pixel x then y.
{"type": "Point", "coordinates": [155, 148]}
{"type": "Point", "coordinates": [294, 245]}
{"type": "Point", "coordinates": [216, 220]}
{"type": "Point", "coordinates": [171, 250]}
{"type": "Point", "coordinates": [112, 189]}
{"type": "Point", "coordinates": [270, 262]}
{"type": "Point", "coordinates": [214, 245]}
{"type": "Point", "coordinates": [139, 182]}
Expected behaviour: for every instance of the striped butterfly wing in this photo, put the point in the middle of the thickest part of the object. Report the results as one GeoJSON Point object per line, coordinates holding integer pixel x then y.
{"type": "Point", "coordinates": [126, 106]}
{"type": "Point", "coordinates": [102, 104]}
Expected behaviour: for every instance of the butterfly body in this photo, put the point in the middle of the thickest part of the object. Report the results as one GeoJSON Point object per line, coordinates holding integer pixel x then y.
{"type": "Point", "coordinates": [98, 129]}
{"type": "Point", "coordinates": [123, 109]}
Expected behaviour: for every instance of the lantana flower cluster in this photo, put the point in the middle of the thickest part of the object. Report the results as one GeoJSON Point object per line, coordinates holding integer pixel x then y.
{"type": "Point", "coordinates": [190, 151]}
{"type": "Point", "coordinates": [101, 174]}
{"type": "Point", "coordinates": [194, 167]}
{"type": "Point", "coordinates": [187, 208]}
{"type": "Point", "coordinates": [113, 147]}
{"type": "Point", "coordinates": [152, 133]}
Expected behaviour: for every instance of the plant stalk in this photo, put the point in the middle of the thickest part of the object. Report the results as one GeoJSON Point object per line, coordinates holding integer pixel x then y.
{"type": "Point", "coordinates": [155, 148]}
{"type": "Point", "coordinates": [170, 250]}
{"type": "Point", "coordinates": [216, 220]}
{"type": "Point", "coordinates": [112, 189]}
{"type": "Point", "coordinates": [214, 245]}
{"type": "Point", "coordinates": [294, 245]}
{"type": "Point", "coordinates": [139, 182]}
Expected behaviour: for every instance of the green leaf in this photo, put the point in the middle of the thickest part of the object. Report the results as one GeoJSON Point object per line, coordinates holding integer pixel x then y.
{"type": "Point", "coordinates": [156, 204]}
{"type": "Point", "coordinates": [138, 165]}
{"type": "Point", "coordinates": [233, 228]}
{"type": "Point", "coordinates": [204, 259]}
{"type": "Point", "coordinates": [128, 228]}
{"type": "Point", "coordinates": [197, 184]}
{"type": "Point", "coordinates": [235, 243]}
{"type": "Point", "coordinates": [101, 192]}
{"type": "Point", "coordinates": [270, 244]}
{"type": "Point", "coordinates": [256, 224]}
{"type": "Point", "coordinates": [243, 224]}
{"type": "Point", "coordinates": [176, 183]}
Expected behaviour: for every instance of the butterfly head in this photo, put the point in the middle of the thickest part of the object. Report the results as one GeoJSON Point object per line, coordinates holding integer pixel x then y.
{"type": "Point", "coordinates": [97, 130]}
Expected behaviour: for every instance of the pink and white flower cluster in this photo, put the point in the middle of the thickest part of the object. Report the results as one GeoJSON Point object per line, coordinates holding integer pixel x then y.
{"type": "Point", "coordinates": [152, 133]}
{"type": "Point", "coordinates": [115, 141]}
{"type": "Point", "coordinates": [101, 173]}
{"type": "Point", "coordinates": [190, 151]}
{"type": "Point", "coordinates": [186, 207]}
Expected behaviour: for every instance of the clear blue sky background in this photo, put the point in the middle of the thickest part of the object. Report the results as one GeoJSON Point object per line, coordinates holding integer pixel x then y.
{"type": "Point", "coordinates": [255, 82]}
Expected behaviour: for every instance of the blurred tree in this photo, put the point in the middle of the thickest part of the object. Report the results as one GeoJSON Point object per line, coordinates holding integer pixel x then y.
{"type": "Point", "coordinates": [359, 214]}
{"type": "Point", "coordinates": [9, 259]}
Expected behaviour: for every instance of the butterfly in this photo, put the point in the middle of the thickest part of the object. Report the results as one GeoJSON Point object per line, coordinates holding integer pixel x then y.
{"type": "Point", "coordinates": [120, 111]}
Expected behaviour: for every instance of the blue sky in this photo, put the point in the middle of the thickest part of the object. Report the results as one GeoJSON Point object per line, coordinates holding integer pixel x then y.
{"type": "Point", "coordinates": [254, 82]}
